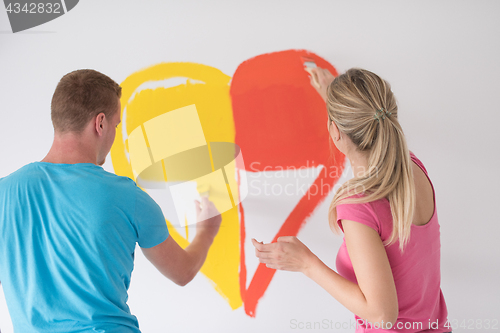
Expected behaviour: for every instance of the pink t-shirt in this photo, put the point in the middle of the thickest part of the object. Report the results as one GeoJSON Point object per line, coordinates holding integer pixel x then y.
{"type": "Point", "coordinates": [416, 272]}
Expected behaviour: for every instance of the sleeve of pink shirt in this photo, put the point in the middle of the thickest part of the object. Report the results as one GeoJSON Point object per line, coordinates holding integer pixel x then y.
{"type": "Point", "coordinates": [361, 213]}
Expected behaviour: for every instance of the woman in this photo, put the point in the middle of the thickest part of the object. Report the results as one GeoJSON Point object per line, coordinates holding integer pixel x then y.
{"type": "Point", "coordinates": [389, 263]}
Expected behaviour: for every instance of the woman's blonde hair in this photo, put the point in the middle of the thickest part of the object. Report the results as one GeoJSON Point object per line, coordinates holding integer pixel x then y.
{"type": "Point", "coordinates": [357, 100]}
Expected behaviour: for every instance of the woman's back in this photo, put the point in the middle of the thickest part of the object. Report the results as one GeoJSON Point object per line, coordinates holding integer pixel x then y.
{"type": "Point", "coordinates": [416, 271]}
{"type": "Point", "coordinates": [424, 209]}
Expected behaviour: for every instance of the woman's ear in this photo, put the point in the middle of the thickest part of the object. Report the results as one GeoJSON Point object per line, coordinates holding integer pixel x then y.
{"type": "Point", "coordinates": [334, 131]}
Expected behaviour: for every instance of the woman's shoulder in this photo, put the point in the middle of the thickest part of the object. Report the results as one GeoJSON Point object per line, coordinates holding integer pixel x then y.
{"type": "Point", "coordinates": [417, 162]}
{"type": "Point", "coordinates": [359, 196]}
{"type": "Point", "coordinates": [369, 213]}
{"type": "Point", "coordinates": [354, 206]}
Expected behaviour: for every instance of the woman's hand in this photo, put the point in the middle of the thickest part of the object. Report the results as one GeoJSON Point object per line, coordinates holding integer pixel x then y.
{"type": "Point", "coordinates": [288, 254]}
{"type": "Point", "coordinates": [320, 79]}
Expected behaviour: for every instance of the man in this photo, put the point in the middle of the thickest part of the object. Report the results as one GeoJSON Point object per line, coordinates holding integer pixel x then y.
{"type": "Point", "coordinates": [68, 228]}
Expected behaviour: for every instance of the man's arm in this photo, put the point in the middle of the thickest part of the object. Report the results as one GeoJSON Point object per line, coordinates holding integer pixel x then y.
{"type": "Point", "coordinates": [182, 265]}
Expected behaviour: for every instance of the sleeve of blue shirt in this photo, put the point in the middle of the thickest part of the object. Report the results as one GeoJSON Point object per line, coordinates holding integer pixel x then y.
{"type": "Point", "coordinates": [149, 221]}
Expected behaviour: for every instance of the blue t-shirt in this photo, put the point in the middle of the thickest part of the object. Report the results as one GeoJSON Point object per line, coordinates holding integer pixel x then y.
{"type": "Point", "coordinates": [67, 241]}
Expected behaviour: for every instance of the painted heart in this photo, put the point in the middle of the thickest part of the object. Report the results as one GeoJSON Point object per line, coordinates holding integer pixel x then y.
{"type": "Point", "coordinates": [280, 124]}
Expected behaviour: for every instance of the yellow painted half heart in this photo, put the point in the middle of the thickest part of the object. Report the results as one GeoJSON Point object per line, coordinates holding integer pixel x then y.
{"type": "Point", "coordinates": [165, 87]}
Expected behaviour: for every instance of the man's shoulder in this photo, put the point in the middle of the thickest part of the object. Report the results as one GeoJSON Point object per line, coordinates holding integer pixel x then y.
{"type": "Point", "coordinates": [124, 184]}
{"type": "Point", "coordinates": [116, 178]}
{"type": "Point", "coordinates": [120, 185]}
{"type": "Point", "coordinates": [18, 174]}
{"type": "Point", "coordinates": [61, 173]}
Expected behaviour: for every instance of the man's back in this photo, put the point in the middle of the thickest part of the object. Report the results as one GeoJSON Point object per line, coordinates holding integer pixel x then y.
{"type": "Point", "coordinates": [67, 240]}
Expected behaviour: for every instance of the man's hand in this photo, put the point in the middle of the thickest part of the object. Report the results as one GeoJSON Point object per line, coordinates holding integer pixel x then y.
{"type": "Point", "coordinates": [320, 80]}
{"type": "Point", "coordinates": [181, 265]}
{"type": "Point", "coordinates": [208, 217]}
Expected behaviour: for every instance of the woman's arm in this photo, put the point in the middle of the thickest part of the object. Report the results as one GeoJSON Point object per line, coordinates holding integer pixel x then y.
{"type": "Point", "coordinates": [373, 299]}
{"type": "Point", "coordinates": [320, 79]}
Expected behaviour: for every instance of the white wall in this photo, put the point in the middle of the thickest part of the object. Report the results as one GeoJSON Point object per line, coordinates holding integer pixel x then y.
{"type": "Point", "coordinates": [441, 57]}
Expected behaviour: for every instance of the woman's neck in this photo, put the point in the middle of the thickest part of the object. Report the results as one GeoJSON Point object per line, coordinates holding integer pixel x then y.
{"type": "Point", "coordinates": [359, 163]}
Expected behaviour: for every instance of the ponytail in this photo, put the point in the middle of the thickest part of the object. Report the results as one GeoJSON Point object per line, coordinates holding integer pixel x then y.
{"type": "Point", "coordinates": [364, 108]}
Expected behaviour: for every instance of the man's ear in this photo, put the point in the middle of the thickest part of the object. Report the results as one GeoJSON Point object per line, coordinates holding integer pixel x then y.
{"type": "Point", "coordinates": [99, 123]}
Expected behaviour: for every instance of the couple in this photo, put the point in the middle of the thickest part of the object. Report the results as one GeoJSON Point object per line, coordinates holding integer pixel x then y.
{"type": "Point", "coordinates": [68, 228]}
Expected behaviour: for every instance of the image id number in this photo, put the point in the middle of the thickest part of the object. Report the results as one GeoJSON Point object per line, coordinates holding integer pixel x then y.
{"type": "Point", "coordinates": [472, 324]}
{"type": "Point", "coordinates": [34, 8]}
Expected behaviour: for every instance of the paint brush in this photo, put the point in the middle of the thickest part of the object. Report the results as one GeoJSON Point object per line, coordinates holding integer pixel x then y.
{"type": "Point", "coordinates": [308, 65]}
{"type": "Point", "coordinates": [203, 190]}
{"type": "Point", "coordinates": [308, 62]}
